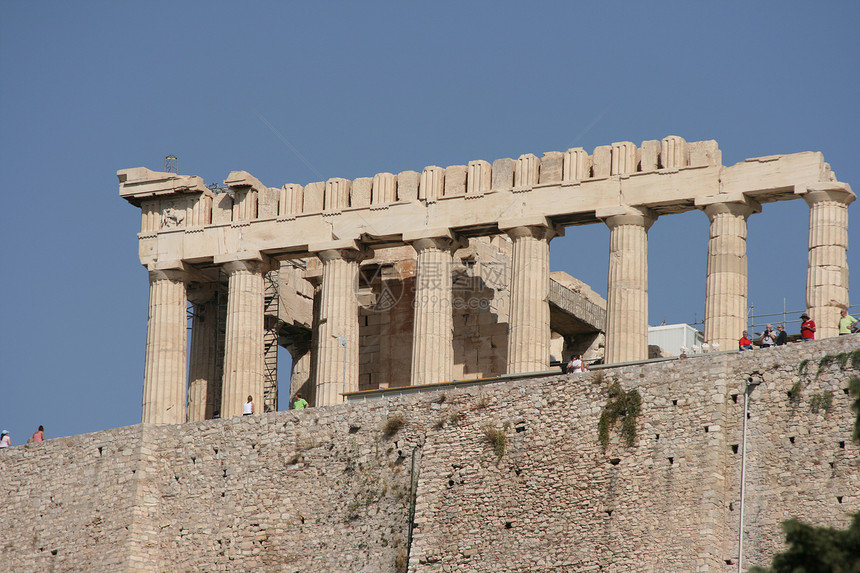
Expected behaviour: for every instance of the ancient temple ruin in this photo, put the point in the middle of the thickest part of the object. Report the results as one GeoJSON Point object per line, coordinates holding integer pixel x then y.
{"type": "Point", "coordinates": [420, 278]}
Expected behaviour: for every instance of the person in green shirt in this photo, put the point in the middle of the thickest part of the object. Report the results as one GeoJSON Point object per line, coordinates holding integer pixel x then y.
{"type": "Point", "coordinates": [846, 323]}
{"type": "Point", "coordinates": [299, 403]}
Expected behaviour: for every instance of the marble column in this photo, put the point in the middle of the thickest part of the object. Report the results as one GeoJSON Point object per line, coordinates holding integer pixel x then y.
{"type": "Point", "coordinates": [827, 273]}
{"type": "Point", "coordinates": [166, 337]}
{"type": "Point", "coordinates": [337, 338]}
{"type": "Point", "coordinates": [528, 320]}
{"type": "Point", "coordinates": [202, 372]}
{"type": "Point", "coordinates": [726, 283]}
{"type": "Point", "coordinates": [243, 351]}
{"type": "Point", "coordinates": [627, 285]}
{"type": "Point", "coordinates": [432, 349]}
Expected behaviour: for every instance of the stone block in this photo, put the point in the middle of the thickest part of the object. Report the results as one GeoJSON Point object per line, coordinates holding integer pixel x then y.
{"type": "Point", "coordinates": [455, 180]}
{"type": "Point", "coordinates": [625, 158]}
{"type": "Point", "coordinates": [527, 171]}
{"type": "Point", "coordinates": [577, 165]}
{"type": "Point", "coordinates": [268, 203]}
{"type": "Point", "coordinates": [222, 209]}
{"type": "Point", "coordinates": [291, 200]}
{"type": "Point", "coordinates": [337, 193]}
{"type": "Point", "coordinates": [602, 161]}
{"type": "Point", "coordinates": [432, 183]}
{"type": "Point", "coordinates": [673, 152]}
{"type": "Point", "coordinates": [479, 179]}
{"type": "Point", "coordinates": [407, 185]}
{"type": "Point", "coordinates": [503, 173]}
{"type": "Point", "coordinates": [649, 157]}
{"type": "Point", "coordinates": [314, 197]}
{"type": "Point", "coordinates": [551, 167]}
{"type": "Point", "coordinates": [384, 188]}
{"type": "Point", "coordinates": [360, 193]}
{"type": "Point", "coordinates": [704, 153]}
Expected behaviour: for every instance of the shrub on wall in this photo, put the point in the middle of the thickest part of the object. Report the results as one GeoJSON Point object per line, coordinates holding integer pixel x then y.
{"type": "Point", "coordinates": [620, 406]}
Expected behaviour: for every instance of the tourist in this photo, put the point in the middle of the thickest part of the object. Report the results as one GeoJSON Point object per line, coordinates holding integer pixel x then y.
{"type": "Point", "coordinates": [846, 322]}
{"type": "Point", "coordinates": [782, 335]}
{"type": "Point", "coordinates": [299, 403]}
{"type": "Point", "coordinates": [38, 435]}
{"type": "Point", "coordinates": [248, 408]}
{"type": "Point", "coordinates": [5, 440]}
{"type": "Point", "coordinates": [768, 338]}
{"type": "Point", "coordinates": [745, 343]}
{"type": "Point", "coordinates": [807, 328]}
{"type": "Point", "coordinates": [576, 364]}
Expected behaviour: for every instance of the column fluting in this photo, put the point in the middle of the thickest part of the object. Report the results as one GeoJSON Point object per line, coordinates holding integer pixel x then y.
{"type": "Point", "coordinates": [166, 336]}
{"type": "Point", "coordinates": [201, 371]}
{"type": "Point", "coordinates": [627, 286]}
{"type": "Point", "coordinates": [528, 320]}
{"type": "Point", "coordinates": [827, 272]}
{"type": "Point", "coordinates": [432, 349]}
{"type": "Point", "coordinates": [727, 279]}
{"type": "Point", "coordinates": [337, 365]}
{"type": "Point", "coordinates": [243, 351]}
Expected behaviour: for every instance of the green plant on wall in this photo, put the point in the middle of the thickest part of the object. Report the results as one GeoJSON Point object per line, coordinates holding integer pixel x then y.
{"type": "Point", "coordinates": [820, 402]}
{"type": "Point", "coordinates": [842, 359]}
{"type": "Point", "coordinates": [497, 438]}
{"type": "Point", "coordinates": [795, 393]}
{"type": "Point", "coordinates": [623, 407]}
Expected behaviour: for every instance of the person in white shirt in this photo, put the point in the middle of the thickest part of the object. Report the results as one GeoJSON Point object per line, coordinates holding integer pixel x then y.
{"type": "Point", "coordinates": [248, 409]}
{"type": "Point", "coordinates": [5, 440]}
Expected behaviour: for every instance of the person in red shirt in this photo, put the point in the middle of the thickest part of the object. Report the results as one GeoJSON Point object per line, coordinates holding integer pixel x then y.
{"type": "Point", "coordinates": [745, 343]}
{"type": "Point", "coordinates": [807, 328]}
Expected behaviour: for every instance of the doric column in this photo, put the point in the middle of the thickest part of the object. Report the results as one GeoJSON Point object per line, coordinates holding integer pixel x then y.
{"type": "Point", "coordinates": [726, 284]}
{"type": "Point", "coordinates": [164, 372]}
{"type": "Point", "coordinates": [201, 372]}
{"type": "Point", "coordinates": [827, 273]}
{"type": "Point", "coordinates": [243, 342]}
{"type": "Point", "coordinates": [337, 338]}
{"type": "Point", "coordinates": [528, 320]}
{"type": "Point", "coordinates": [432, 347]}
{"type": "Point", "coordinates": [627, 285]}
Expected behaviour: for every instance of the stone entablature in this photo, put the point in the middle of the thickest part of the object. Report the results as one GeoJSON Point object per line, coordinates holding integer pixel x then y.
{"type": "Point", "coordinates": [530, 199]}
{"type": "Point", "coordinates": [254, 217]}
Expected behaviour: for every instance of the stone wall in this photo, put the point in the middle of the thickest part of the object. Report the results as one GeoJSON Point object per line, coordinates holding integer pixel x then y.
{"type": "Point", "coordinates": [328, 489]}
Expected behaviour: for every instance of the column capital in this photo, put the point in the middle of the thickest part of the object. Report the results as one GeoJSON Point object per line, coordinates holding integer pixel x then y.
{"type": "Point", "coordinates": [728, 204]}
{"type": "Point", "coordinates": [626, 215]}
{"type": "Point", "coordinates": [255, 267]}
{"type": "Point", "coordinates": [443, 239]}
{"type": "Point", "coordinates": [819, 192]}
{"type": "Point", "coordinates": [169, 274]}
{"type": "Point", "coordinates": [348, 255]}
{"type": "Point", "coordinates": [537, 227]}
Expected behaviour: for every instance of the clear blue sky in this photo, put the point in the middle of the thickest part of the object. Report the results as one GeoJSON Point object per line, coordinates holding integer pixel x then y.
{"type": "Point", "coordinates": [87, 88]}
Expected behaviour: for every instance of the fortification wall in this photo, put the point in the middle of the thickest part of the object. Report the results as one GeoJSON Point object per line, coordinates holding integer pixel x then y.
{"type": "Point", "coordinates": [327, 490]}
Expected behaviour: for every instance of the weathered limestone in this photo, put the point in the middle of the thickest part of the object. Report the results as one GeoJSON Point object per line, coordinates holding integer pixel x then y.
{"type": "Point", "coordinates": [827, 277]}
{"type": "Point", "coordinates": [166, 337]}
{"type": "Point", "coordinates": [726, 284]}
{"type": "Point", "coordinates": [432, 350]}
{"type": "Point", "coordinates": [337, 340]}
{"type": "Point", "coordinates": [627, 285]}
{"type": "Point", "coordinates": [529, 335]}
{"type": "Point", "coordinates": [202, 374]}
{"type": "Point", "coordinates": [243, 353]}
{"type": "Point", "coordinates": [624, 185]}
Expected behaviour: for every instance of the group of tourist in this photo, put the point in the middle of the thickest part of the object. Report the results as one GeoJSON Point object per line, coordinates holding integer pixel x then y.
{"type": "Point", "coordinates": [6, 440]}
{"type": "Point", "coordinates": [297, 403]}
{"type": "Point", "coordinates": [769, 338]}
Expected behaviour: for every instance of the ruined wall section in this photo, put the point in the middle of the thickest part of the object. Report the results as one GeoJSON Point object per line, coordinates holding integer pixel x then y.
{"type": "Point", "coordinates": [328, 489]}
{"type": "Point", "coordinates": [69, 503]}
